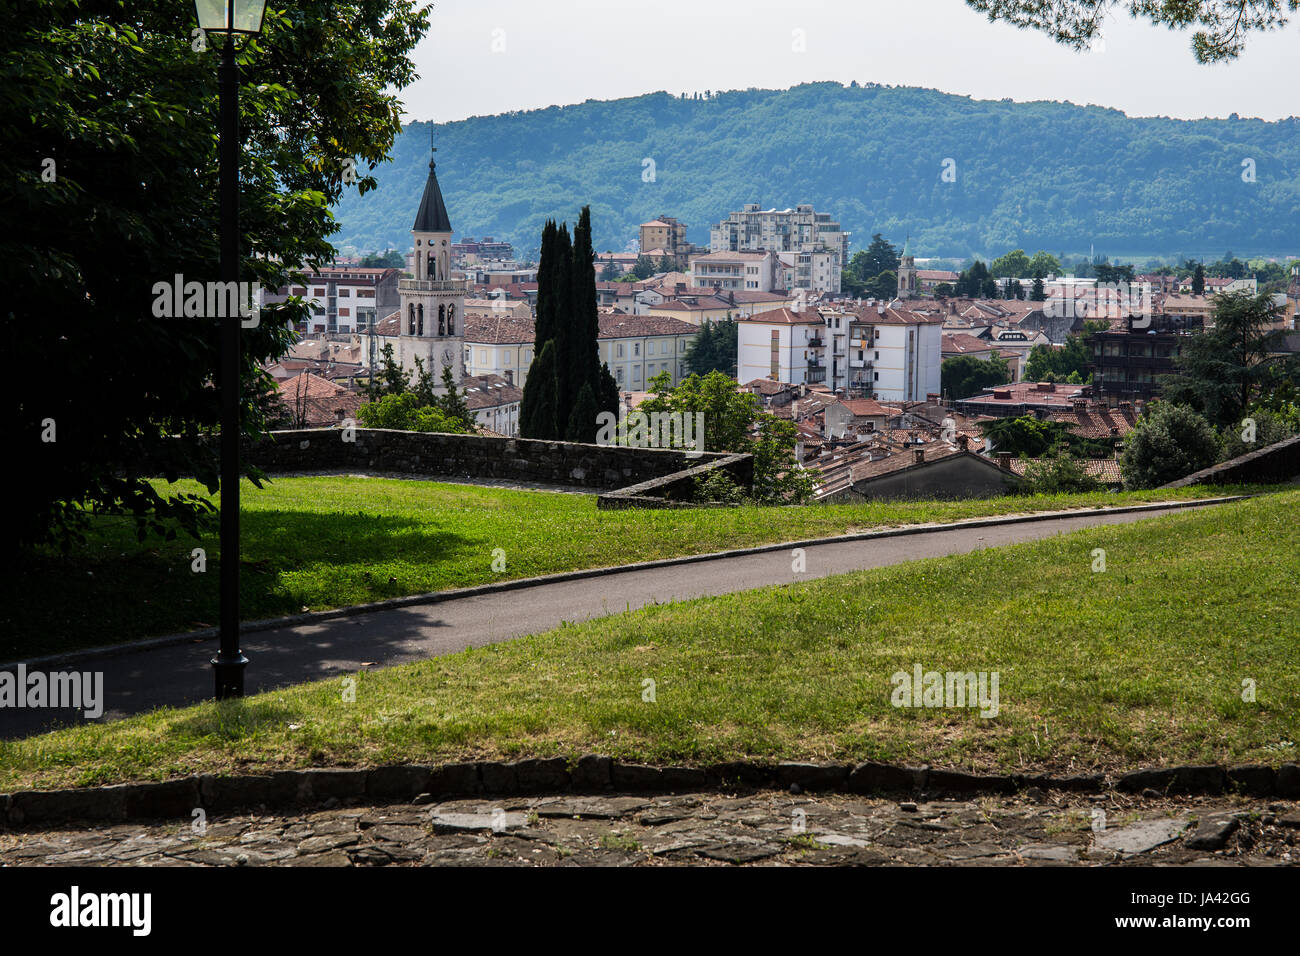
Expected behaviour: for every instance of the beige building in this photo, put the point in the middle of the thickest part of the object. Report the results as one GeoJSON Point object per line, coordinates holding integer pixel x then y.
{"type": "Point", "coordinates": [638, 347]}
{"type": "Point", "coordinates": [799, 230]}
{"type": "Point", "coordinates": [664, 233]}
{"type": "Point", "coordinates": [738, 271]}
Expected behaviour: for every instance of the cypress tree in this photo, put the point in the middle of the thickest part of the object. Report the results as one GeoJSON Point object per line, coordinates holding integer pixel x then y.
{"type": "Point", "coordinates": [607, 394]}
{"type": "Point", "coordinates": [540, 400]}
{"type": "Point", "coordinates": [565, 331]}
{"type": "Point", "coordinates": [586, 359]}
{"type": "Point", "coordinates": [582, 420]}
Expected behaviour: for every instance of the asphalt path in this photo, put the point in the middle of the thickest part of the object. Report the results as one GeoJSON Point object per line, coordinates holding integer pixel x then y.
{"type": "Point", "coordinates": [177, 674]}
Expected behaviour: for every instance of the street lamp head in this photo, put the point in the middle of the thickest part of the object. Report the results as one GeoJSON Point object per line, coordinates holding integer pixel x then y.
{"type": "Point", "coordinates": [230, 16]}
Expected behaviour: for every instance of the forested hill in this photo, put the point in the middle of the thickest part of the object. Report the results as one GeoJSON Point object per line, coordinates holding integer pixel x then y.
{"type": "Point", "coordinates": [1028, 175]}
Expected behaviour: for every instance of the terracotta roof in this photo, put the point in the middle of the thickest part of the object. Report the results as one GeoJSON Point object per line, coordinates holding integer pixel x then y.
{"type": "Point", "coordinates": [865, 407]}
{"type": "Point", "coordinates": [959, 343]}
{"type": "Point", "coordinates": [701, 303]}
{"type": "Point", "coordinates": [767, 386]}
{"type": "Point", "coordinates": [1106, 470]}
{"type": "Point", "coordinates": [785, 317]}
{"type": "Point", "coordinates": [320, 401]}
{"type": "Point", "coordinates": [872, 315]}
{"type": "Point", "coordinates": [489, 391]}
{"type": "Point", "coordinates": [619, 326]}
{"type": "Point", "coordinates": [499, 329]}
{"type": "Point", "coordinates": [1098, 421]}
{"type": "Point", "coordinates": [938, 275]}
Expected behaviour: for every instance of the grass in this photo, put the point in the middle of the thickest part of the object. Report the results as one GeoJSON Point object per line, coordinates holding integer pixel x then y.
{"type": "Point", "coordinates": [324, 542]}
{"type": "Point", "coordinates": [1141, 664]}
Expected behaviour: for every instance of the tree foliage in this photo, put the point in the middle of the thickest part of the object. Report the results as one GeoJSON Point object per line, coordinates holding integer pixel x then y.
{"type": "Point", "coordinates": [1152, 185]}
{"type": "Point", "coordinates": [109, 119]}
{"type": "Point", "coordinates": [1221, 25]}
{"type": "Point", "coordinates": [1169, 442]}
{"type": "Point", "coordinates": [734, 421]}
{"type": "Point", "coordinates": [714, 348]}
{"type": "Point", "coordinates": [965, 375]}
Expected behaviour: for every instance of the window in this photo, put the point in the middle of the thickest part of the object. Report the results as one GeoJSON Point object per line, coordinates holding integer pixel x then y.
{"type": "Point", "coordinates": [620, 350]}
{"type": "Point", "coordinates": [345, 293]}
{"type": "Point", "coordinates": [876, 377]}
{"type": "Point", "coordinates": [482, 356]}
{"type": "Point", "coordinates": [507, 358]}
{"type": "Point", "coordinates": [344, 312]}
{"type": "Point", "coordinates": [636, 349]}
{"type": "Point", "coordinates": [317, 291]}
{"type": "Point", "coordinates": [618, 374]}
{"type": "Point", "coordinates": [649, 348]}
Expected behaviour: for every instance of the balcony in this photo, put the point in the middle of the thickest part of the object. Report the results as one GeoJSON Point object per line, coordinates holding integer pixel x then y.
{"type": "Point", "coordinates": [815, 373]}
{"type": "Point", "coordinates": [434, 285]}
{"type": "Point", "coordinates": [816, 342]}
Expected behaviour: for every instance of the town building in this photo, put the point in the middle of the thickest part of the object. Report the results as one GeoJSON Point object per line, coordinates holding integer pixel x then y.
{"type": "Point", "coordinates": [736, 271]}
{"type": "Point", "coordinates": [665, 236]}
{"type": "Point", "coordinates": [342, 299]}
{"type": "Point", "coordinates": [820, 245]}
{"type": "Point", "coordinates": [432, 304]}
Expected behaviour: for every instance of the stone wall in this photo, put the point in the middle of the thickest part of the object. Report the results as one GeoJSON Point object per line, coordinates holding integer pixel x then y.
{"type": "Point", "coordinates": [1272, 464]}
{"type": "Point", "coordinates": [603, 467]}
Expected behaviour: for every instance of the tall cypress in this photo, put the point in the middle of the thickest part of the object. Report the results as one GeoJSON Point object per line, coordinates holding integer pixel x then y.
{"type": "Point", "coordinates": [586, 358]}
{"type": "Point", "coordinates": [564, 330]}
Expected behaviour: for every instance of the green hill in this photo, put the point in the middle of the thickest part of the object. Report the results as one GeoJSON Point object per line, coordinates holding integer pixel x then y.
{"type": "Point", "coordinates": [1030, 175]}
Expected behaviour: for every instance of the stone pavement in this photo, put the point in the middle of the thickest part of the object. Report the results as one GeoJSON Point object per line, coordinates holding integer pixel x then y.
{"type": "Point", "coordinates": [747, 828]}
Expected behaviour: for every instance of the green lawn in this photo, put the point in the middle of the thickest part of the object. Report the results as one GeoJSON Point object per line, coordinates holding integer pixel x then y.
{"type": "Point", "coordinates": [1143, 663]}
{"type": "Point", "coordinates": [325, 542]}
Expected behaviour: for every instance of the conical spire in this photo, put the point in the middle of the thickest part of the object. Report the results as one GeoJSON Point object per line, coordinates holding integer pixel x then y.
{"type": "Point", "coordinates": [432, 216]}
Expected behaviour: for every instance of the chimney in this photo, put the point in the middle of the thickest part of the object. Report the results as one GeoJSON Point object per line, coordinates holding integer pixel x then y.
{"type": "Point", "coordinates": [1004, 460]}
{"type": "Point", "coordinates": [1079, 405]}
{"type": "Point", "coordinates": [963, 441]}
{"type": "Point", "coordinates": [918, 455]}
{"type": "Point", "coordinates": [510, 376]}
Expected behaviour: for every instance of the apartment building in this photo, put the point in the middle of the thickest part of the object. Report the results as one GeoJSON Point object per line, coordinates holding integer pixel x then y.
{"type": "Point", "coordinates": [800, 230]}
{"type": "Point", "coordinates": [736, 271]}
{"type": "Point", "coordinates": [665, 236]}
{"type": "Point", "coordinates": [872, 351]}
{"type": "Point", "coordinates": [343, 299]}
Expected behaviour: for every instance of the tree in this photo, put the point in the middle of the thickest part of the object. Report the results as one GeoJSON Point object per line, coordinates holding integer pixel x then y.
{"type": "Point", "coordinates": [1015, 290]}
{"type": "Point", "coordinates": [734, 421]}
{"type": "Point", "coordinates": [1220, 370]}
{"type": "Point", "coordinates": [1114, 275]}
{"type": "Point", "coordinates": [880, 256]}
{"type": "Point", "coordinates": [610, 272]}
{"type": "Point", "coordinates": [1198, 280]}
{"type": "Point", "coordinates": [713, 349]}
{"type": "Point", "coordinates": [1049, 364]}
{"type": "Point", "coordinates": [1169, 442]}
{"type": "Point", "coordinates": [644, 268]}
{"type": "Point", "coordinates": [1223, 25]}
{"type": "Point", "coordinates": [1025, 436]}
{"type": "Point", "coordinates": [1057, 473]}
{"type": "Point", "coordinates": [388, 259]}
{"type": "Point", "coordinates": [403, 411]}
{"type": "Point", "coordinates": [943, 290]}
{"type": "Point", "coordinates": [582, 425]}
{"type": "Point", "coordinates": [883, 286]}
{"type": "Point", "coordinates": [1015, 264]}
{"type": "Point", "coordinates": [115, 97]}
{"type": "Point", "coordinates": [1039, 292]}
{"type": "Point", "coordinates": [965, 375]}
{"type": "Point", "coordinates": [1265, 428]}
{"type": "Point", "coordinates": [1044, 264]}
{"type": "Point", "coordinates": [540, 405]}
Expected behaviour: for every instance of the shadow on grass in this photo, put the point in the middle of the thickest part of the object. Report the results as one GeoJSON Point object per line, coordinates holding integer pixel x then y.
{"type": "Point", "coordinates": [117, 589]}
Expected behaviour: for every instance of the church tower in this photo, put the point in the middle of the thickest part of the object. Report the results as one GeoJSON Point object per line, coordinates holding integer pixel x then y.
{"type": "Point", "coordinates": [907, 272]}
{"type": "Point", "coordinates": [433, 303]}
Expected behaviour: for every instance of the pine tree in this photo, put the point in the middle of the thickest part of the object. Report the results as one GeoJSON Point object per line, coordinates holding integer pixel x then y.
{"type": "Point", "coordinates": [452, 401]}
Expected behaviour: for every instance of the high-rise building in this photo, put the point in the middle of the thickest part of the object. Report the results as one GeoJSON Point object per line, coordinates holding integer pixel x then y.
{"type": "Point", "coordinates": [818, 246]}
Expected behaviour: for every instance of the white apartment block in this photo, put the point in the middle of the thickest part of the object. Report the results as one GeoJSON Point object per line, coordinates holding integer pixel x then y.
{"type": "Point", "coordinates": [891, 355]}
{"type": "Point", "coordinates": [735, 271]}
{"type": "Point", "coordinates": [798, 230]}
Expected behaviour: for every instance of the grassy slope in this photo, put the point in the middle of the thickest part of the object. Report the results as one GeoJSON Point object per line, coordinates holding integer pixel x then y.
{"type": "Point", "coordinates": [1143, 663]}
{"type": "Point", "coordinates": [316, 543]}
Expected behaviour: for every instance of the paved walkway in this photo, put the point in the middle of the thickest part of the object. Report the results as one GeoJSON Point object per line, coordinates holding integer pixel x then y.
{"type": "Point", "coordinates": [765, 828]}
{"type": "Point", "coordinates": [174, 675]}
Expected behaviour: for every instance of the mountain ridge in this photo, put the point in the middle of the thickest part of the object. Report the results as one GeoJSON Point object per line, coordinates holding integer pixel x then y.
{"type": "Point", "coordinates": [1038, 174]}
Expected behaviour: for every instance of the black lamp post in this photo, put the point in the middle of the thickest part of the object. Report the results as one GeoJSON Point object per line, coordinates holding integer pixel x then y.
{"type": "Point", "coordinates": [231, 17]}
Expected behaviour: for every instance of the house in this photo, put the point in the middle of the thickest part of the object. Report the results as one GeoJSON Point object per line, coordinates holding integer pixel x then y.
{"type": "Point", "coordinates": [857, 416]}
{"type": "Point", "coordinates": [939, 470]}
{"type": "Point", "coordinates": [638, 347]}
{"type": "Point", "coordinates": [494, 400]}
{"type": "Point", "coordinates": [311, 401]}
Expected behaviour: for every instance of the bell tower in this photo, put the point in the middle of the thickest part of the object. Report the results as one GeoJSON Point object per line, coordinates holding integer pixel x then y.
{"type": "Point", "coordinates": [432, 303]}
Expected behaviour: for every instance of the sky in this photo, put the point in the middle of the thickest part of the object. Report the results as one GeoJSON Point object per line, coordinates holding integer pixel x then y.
{"type": "Point", "coordinates": [490, 56]}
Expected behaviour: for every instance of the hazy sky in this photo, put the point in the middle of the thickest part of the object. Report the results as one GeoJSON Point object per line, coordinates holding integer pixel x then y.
{"type": "Point", "coordinates": [490, 56]}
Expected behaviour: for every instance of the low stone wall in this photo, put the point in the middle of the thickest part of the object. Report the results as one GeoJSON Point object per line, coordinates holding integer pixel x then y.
{"type": "Point", "coordinates": [477, 456]}
{"type": "Point", "coordinates": [1273, 464]}
{"type": "Point", "coordinates": [676, 490]}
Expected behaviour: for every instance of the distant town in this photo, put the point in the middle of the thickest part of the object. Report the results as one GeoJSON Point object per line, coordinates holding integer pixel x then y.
{"type": "Point", "coordinates": [882, 363]}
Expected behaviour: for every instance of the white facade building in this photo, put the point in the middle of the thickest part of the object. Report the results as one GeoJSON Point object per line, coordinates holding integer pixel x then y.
{"type": "Point", "coordinates": [799, 230]}
{"type": "Point", "coordinates": [873, 351]}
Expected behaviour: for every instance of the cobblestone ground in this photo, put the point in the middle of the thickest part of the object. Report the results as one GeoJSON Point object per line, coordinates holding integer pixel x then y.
{"type": "Point", "coordinates": [762, 828]}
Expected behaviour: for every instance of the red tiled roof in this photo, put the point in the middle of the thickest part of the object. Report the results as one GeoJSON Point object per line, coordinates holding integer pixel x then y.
{"type": "Point", "coordinates": [785, 317]}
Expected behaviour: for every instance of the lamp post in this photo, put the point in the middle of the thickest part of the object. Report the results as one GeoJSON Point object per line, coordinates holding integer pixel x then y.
{"type": "Point", "coordinates": [231, 17]}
